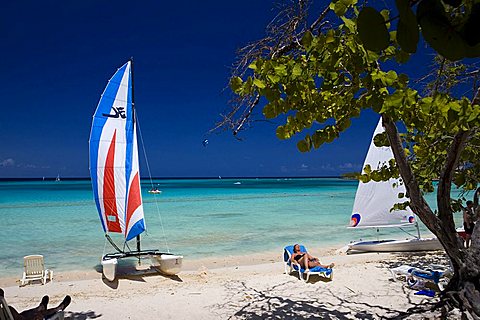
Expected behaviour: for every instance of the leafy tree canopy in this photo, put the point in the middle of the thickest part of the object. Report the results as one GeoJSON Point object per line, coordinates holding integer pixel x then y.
{"type": "Point", "coordinates": [336, 73]}
{"type": "Point", "coordinates": [313, 79]}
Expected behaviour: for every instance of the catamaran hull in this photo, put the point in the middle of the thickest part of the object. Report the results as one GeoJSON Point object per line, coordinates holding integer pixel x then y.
{"type": "Point", "coordinates": [109, 268]}
{"type": "Point", "coordinates": [422, 244]}
{"type": "Point", "coordinates": [168, 264]}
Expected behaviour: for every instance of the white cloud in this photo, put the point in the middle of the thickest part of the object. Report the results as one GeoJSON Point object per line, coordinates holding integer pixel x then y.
{"type": "Point", "coordinates": [7, 163]}
{"type": "Point", "coordinates": [350, 166]}
{"type": "Point", "coordinates": [327, 167]}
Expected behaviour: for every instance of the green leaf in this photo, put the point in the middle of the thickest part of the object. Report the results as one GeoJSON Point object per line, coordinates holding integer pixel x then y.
{"type": "Point", "coordinates": [408, 35]}
{"type": "Point", "coordinates": [407, 27]}
{"type": "Point", "coordinates": [372, 30]}
{"type": "Point", "coordinates": [349, 24]}
{"type": "Point", "coordinates": [307, 39]}
{"type": "Point", "coordinates": [281, 70]}
{"type": "Point", "coordinates": [297, 70]}
{"type": "Point", "coordinates": [282, 133]}
{"type": "Point", "coordinates": [259, 83]}
{"type": "Point", "coordinates": [273, 78]}
{"type": "Point", "coordinates": [391, 77]}
{"type": "Point", "coordinates": [367, 169]}
{"type": "Point", "coordinates": [340, 8]}
{"type": "Point", "coordinates": [269, 111]}
{"type": "Point", "coordinates": [236, 84]}
{"type": "Point", "coordinates": [438, 31]}
{"type": "Point", "coordinates": [330, 37]}
{"type": "Point", "coordinates": [303, 146]}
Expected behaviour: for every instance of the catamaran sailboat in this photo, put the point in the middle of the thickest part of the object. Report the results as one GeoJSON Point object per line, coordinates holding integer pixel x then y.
{"type": "Point", "coordinates": [372, 208]}
{"type": "Point", "coordinates": [115, 175]}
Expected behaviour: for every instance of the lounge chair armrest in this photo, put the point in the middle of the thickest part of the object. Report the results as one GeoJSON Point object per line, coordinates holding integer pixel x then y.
{"type": "Point", "coordinates": [49, 274]}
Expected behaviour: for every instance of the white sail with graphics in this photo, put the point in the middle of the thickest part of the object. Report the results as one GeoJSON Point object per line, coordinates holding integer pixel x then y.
{"type": "Point", "coordinates": [115, 175]}
{"type": "Point", "coordinates": [373, 207]}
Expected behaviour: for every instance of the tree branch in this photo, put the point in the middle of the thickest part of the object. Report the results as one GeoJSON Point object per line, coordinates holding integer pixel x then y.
{"type": "Point", "coordinates": [417, 201]}
{"type": "Point", "coordinates": [283, 37]}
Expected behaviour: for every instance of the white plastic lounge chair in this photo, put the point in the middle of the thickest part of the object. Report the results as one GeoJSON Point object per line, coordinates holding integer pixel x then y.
{"type": "Point", "coordinates": [290, 267]}
{"type": "Point", "coordinates": [34, 269]}
{"type": "Point", "coordinates": [403, 270]}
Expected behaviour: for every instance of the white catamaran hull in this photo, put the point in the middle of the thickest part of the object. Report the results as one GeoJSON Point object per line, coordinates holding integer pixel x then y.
{"type": "Point", "coordinates": [168, 264]}
{"type": "Point", "coordinates": [422, 244]}
{"type": "Point", "coordinates": [109, 269]}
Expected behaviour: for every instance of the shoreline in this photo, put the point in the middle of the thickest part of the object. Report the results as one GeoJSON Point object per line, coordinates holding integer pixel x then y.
{"type": "Point", "coordinates": [189, 265]}
{"type": "Point", "coordinates": [362, 287]}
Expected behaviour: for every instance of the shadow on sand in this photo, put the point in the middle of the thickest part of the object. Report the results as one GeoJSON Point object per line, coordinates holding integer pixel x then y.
{"type": "Point", "coordinates": [130, 269]}
{"type": "Point", "coordinates": [274, 303]}
{"type": "Point", "coordinates": [81, 315]}
{"type": "Point", "coordinates": [312, 279]}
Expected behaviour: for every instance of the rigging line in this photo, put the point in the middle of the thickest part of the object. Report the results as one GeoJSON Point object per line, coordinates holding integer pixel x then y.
{"type": "Point", "coordinates": [410, 234]}
{"type": "Point", "coordinates": [125, 244]}
{"type": "Point", "coordinates": [151, 182]}
{"type": "Point", "coordinates": [107, 236]}
{"type": "Point", "coordinates": [104, 246]}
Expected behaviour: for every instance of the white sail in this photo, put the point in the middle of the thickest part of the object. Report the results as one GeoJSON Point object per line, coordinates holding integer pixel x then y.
{"type": "Point", "coordinates": [374, 200]}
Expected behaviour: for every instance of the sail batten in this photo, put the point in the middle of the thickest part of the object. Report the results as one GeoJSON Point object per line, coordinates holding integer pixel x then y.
{"type": "Point", "coordinates": [114, 165]}
{"type": "Point", "coordinates": [374, 200]}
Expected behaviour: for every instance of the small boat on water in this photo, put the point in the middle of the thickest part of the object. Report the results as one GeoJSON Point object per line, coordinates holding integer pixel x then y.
{"type": "Point", "coordinates": [373, 208]}
{"type": "Point", "coordinates": [154, 191]}
{"type": "Point", "coordinates": [115, 176]}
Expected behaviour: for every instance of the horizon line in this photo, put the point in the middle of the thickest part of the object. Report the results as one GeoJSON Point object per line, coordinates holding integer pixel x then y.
{"type": "Point", "coordinates": [175, 178]}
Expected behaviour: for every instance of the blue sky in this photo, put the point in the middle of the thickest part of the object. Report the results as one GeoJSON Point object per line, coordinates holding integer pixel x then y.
{"type": "Point", "coordinates": [57, 57]}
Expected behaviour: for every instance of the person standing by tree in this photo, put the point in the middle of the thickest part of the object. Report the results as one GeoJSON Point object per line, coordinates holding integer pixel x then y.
{"type": "Point", "coordinates": [468, 222]}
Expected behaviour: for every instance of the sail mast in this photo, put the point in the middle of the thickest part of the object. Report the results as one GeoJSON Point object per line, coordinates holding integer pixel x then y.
{"type": "Point", "coordinates": [134, 121]}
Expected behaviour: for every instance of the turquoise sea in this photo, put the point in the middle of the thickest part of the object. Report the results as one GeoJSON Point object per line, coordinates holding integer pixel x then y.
{"type": "Point", "coordinates": [199, 218]}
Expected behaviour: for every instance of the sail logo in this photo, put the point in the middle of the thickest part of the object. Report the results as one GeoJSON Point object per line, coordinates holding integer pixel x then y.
{"type": "Point", "coordinates": [118, 112]}
{"type": "Point", "coordinates": [355, 219]}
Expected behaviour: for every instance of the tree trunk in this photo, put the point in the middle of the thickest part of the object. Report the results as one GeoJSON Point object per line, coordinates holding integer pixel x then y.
{"type": "Point", "coordinates": [463, 291]}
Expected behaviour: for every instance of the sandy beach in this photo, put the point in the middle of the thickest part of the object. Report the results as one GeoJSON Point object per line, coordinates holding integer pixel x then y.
{"type": "Point", "coordinates": [254, 287]}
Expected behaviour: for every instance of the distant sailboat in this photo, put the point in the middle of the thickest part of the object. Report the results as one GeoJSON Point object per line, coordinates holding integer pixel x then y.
{"type": "Point", "coordinates": [57, 178]}
{"type": "Point", "coordinates": [373, 204]}
{"type": "Point", "coordinates": [114, 171]}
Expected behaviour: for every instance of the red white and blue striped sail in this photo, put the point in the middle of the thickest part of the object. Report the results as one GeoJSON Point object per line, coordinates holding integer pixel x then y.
{"type": "Point", "coordinates": [114, 158]}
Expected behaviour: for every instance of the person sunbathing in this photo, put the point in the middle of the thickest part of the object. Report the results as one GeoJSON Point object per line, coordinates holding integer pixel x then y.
{"type": "Point", "coordinates": [38, 313]}
{"type": "Point", "coordinates": [305, 260]}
